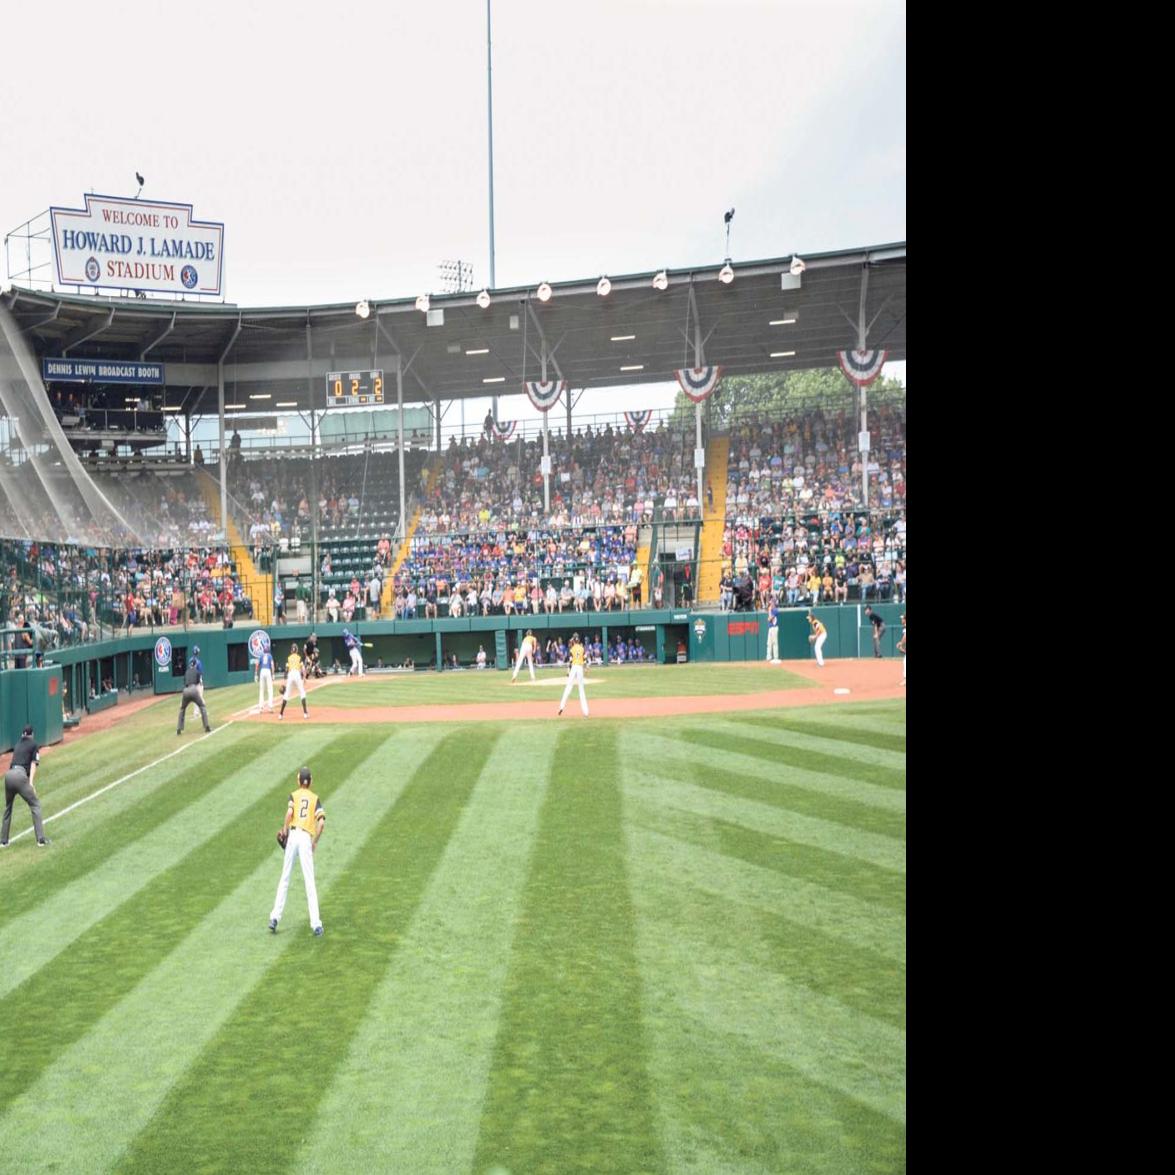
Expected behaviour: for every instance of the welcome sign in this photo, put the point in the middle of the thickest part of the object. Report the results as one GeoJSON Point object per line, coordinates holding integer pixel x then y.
{"type": "Point", "coordinates": [123, 244]}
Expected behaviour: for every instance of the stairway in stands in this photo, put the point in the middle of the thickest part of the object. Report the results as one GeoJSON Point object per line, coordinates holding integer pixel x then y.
{"type": "Point", "coordinates": [257, 586]}
{"type": "Point", "coordinates": [714, 521]}
{"type": "Point", "coordinates": [435, 467]}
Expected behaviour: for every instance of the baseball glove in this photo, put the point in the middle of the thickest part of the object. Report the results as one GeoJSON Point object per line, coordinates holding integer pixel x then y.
{"type": "Point", "coordinates": [282, 837]}
{"type": "Point", "coordinates": [812, 639]}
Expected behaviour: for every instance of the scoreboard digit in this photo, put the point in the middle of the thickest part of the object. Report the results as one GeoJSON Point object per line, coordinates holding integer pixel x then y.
{"type": "Point", "coordinates": [354, 389]}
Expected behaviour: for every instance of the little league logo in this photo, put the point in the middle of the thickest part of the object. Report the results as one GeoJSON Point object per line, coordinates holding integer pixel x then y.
{"type": "Point", "coordinates": [93, 269]}
{"type": "Point", "coordinates": [163, 652]}
{"type": "Point", "coordinates": [258, 643]}
{"type": "Point", "coordinates": [700, 628]}
{"type": "Point", "coordinates": [189, 277]}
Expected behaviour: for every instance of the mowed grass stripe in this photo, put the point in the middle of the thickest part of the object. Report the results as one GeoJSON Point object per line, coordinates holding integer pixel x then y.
{"type": "Point", "coordinates": [874, 926]}
{"type": "Point", "coordinates": [846, 971]}
{"type": "Point", "coordinates": [791, 789]}
{"type": "Point", "coordinates": [91, 835]}
{"type": "Point", "coordinates": [847, 731]}
{"type": "Point", "coordinates": [425, 1044]}
{"type": "Point", "coordinates": [807, 760]}
{"type": "Point", "coordinates": [104, 1089]}
{"type": "Point", "coordinates": [284, 1042]}
{"type": "Point", "coordinates": [763, 1014]}
{"type": "Point", "coordinates": [830, 870]}
{"type": "Point", "coordinates": [116, 952]}
{"type": "Point", "coordinates": [659, 786]}
{"type": "Point", "coordinates": [569, 1089]}
{"type": "Point", "coordinates": [37, 936]}
{"type": "Point", "coordinates": [737, 1110]}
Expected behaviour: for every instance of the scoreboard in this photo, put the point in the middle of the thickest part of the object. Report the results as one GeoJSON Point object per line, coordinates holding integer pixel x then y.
{"type": "Point", "coordinates": [351, 389]}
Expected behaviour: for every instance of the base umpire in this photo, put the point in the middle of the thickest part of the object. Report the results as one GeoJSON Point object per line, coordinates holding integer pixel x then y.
{"type": "Point", "coordinates": [193, 691]}
{"type": "Point", "coordinates": [18, 781]}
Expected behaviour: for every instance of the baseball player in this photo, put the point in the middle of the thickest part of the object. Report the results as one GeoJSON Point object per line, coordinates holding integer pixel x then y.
{"type": "Point", "coordinates": [773, 633]}
{"type": "Point", "coordinates": [818, 637]}
{"type": "Point", "coordinates": [293, 678]}
{"type": "Point", "coordinates": [525, 653]}
{"type": "Point", "coordinates": [878, 629]}
{"type": "Point", "coordinates": [902, 648]}
{"type": "Point", "coordinates": [193, 691]}
{"type": "Point", "coordinates": [310, 657]}
{"type": "Point", "coordinates": [575, 675]}
{"type": "Point", "coordinates": [305, 820]}
{"type": "Point", "coordinates": [265, 678]}
{"type": "Point", "coordinates": [18, 781]}
{"type": "Point", "coordinates": [352, 645]}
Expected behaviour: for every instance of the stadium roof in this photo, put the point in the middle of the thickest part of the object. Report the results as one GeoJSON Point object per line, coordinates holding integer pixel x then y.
{"type": "Point", "coordinates": [764, 320]}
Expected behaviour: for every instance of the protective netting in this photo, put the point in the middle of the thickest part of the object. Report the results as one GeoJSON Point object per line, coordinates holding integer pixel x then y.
{"type": "Point", "coordinates": [45, 491]}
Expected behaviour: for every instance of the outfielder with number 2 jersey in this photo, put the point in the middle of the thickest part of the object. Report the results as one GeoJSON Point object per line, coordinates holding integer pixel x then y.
{"type": "Point", "coordinates": [305, 820]}
{"type": "Point", "coordinates": [575, 675]}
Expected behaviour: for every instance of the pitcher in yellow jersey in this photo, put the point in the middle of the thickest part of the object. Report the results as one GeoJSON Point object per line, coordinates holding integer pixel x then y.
{"type": "Point", "coordinates": [293, 678]}
{"type": "Point", "coordinates": [817, 638]}
{"type": "Point", "coordinates": [525, 653]}
{"type": "Point", "coordinates": [575, 675]}
{"type": "Point", "coordinates": [305, 820]}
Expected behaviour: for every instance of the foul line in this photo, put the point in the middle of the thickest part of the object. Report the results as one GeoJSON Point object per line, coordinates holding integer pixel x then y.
{"type": "Point", "coordinates": [102, 790]}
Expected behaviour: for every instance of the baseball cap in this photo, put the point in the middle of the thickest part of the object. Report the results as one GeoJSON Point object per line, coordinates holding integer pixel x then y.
{"type": "Point", "coordinates": [304, 775]}
{"type": "Point", "coordinates": [196, 650]}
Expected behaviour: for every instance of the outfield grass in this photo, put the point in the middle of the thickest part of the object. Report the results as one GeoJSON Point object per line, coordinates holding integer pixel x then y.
{"type": "Point", "coordinates": [488, 685]}
{"type": "Point", "coordinates": [654, 945]}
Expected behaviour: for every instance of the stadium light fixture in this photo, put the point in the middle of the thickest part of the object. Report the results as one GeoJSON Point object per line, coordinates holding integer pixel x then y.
{"type": "Point", "coordinates": [422, 303]}
{"type": "Point", "coordinates": [782, 321]}
{"type": "Point", "coordinates": [494, 379]}
{"type": "Point", "coordinates": [478, 351]}
{"type": "Point", "coordinates": [661, 281]}
{"type": "Point", "coordinates": [362, 308]}
{"type": "Point", "coordinates": [622, 338]}
{"type": "Point", "coordinates": [604, 287]}
{"type": "Point", "coordinates": [260, 396]}
{"type": "Point", "coordinates": [483, 299]}
{"type": "Point", "coordinates": [797, 266]}
{"type": "Point", "coordinates": [782, 354]}
{"type": "Point", "coordinates": [634, 367]}
{"type": "Point", "coordinates": [544, 292]}
{"type": "Point", "coordinates": [286, 404]}
{"type": "Point", "coordinates": [726, 274]}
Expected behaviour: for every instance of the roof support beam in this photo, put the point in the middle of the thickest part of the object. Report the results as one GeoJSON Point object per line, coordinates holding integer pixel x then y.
{"type": "Point", "coordinates": [158, 338]}
{"type": "Point", "coordinates": [83, 335]}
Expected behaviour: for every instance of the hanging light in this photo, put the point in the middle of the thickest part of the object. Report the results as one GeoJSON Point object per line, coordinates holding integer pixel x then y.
{"type": "Point", "coordinates": [726, 274]}
{"type": "Point", "coordinates": [362, 308]}
{"type": "Point", "coordinates": [661, 281]}
{"type": "Point", "coordinates": [544, 292]}
{"type": "Point", "coordinates": [422, 303]}
{"type": "Point", "coordinates": [603, 287]}
{"type": "Point", "coordinates": [483, 299]}
{"type": "Point", "coordinates": [797, 266]}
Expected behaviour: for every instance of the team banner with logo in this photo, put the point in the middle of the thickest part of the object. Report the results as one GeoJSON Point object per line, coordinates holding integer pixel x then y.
{"type": "Point", "coordinates": [699, 382]}
{"type": "Point", "coordinates": [862, 367]}
{"type": "Point", "coordinates": [504, 430]}
{"type": "Point", "coordinates": [117, 243]}
{"type": "Point", "coordinates": [544, 394]}
{"type": "Point", "coordinates": [638, 420]}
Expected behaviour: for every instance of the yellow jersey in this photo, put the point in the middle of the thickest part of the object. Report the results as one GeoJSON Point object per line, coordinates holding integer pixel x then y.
{"type": "Point", "coordinates": [305, 810]}
{"type": "Point", "coordinates": [577, 654]}
{"type": "Point", "coordinates": [293, 663]}
{"type": "Point", "coordinates": [528, 644]}
{"type": "Point", "coordinates": [818, 629]}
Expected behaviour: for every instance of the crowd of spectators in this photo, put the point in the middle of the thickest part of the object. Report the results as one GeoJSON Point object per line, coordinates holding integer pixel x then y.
{"type": "Point", "coordinates": [797, 530]}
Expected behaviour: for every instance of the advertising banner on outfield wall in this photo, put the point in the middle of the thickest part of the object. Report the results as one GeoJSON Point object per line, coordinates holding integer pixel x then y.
{"type": "Point", "coordinates": [123, 244]}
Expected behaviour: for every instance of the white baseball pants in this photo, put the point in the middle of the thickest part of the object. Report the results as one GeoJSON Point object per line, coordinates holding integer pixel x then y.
{"type": "Point", "coordinates": [528, 657]}
{"type": "Point", "coordinates": [575, 677]}
{"type": "Point", "coordinates": [265, 682]}
{"type": "Point", "coordinates": [820, 648]}
{"type": "Point", "coordinates": [357, 661]}
{"type": "Point", "coordinates": [301, 845]}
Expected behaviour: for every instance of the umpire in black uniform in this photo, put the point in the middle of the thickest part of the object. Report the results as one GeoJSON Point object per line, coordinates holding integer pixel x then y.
{"type": "Point", "coordinates": [193, 690]}
{"type": "Point", "coordinates": [19, 782]}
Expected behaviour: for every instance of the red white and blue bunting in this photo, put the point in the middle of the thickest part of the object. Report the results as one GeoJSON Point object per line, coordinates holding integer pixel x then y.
{"type": "Point", "coordinates": [638, 420]}
{"type": "Point", "coordinates": [544, 394]}
{"type": "Point", "coordinates": [504, 430]}
{"type": "Point", "coordinates": [699, 382]}
{"type": "Point", "coordinates": [862, 367]}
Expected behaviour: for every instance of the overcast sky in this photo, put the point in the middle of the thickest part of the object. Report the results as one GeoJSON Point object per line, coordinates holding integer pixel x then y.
{"type": "Point", "coordinates": [344, 145]}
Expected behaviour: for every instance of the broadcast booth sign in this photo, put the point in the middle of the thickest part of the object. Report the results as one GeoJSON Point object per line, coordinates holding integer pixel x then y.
{"type": "Point", "coordinates": [122, 244]}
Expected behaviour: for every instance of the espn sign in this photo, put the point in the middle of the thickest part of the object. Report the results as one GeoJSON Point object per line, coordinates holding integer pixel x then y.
{"type": "Point", "coordinates": [742, 628]}
{"type": "Point", "coordinates": [122, 244]}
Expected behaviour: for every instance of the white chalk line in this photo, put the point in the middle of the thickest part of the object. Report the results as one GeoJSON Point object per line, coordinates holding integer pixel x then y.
{"type": "Point", "coordinates": [103, 790]}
